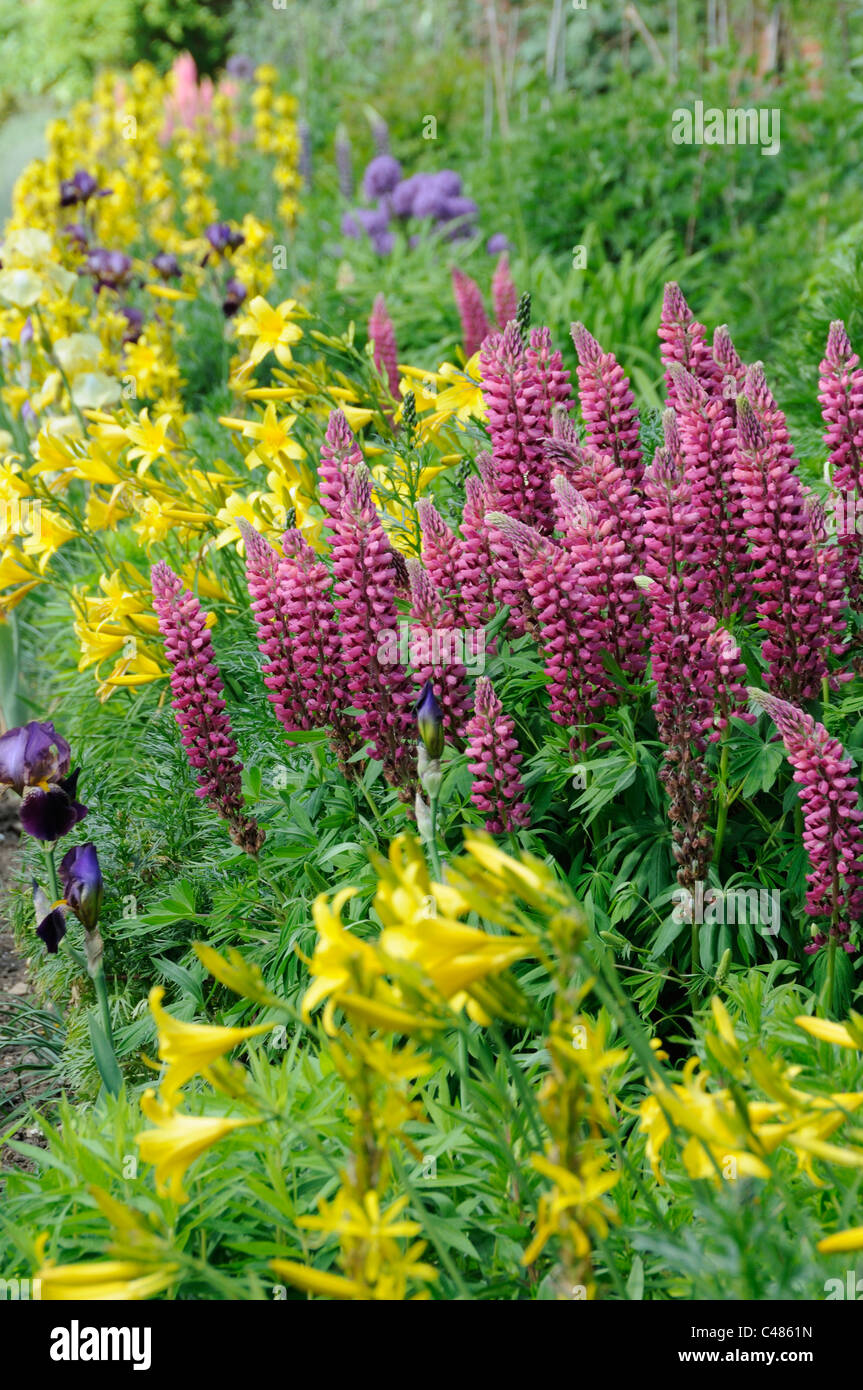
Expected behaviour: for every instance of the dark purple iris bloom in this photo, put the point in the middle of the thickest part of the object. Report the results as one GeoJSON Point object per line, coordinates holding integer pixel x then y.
{"type": "Point", "coordinates": [77, 232]}
{"type": "Point", "coordinates": [109, 269]}
{"type": "Point", "coordinates": [33, 755]}
{"type": "Point", "coordinates": [430, 721]}
{"type": "Point", "coordinates": [381, 176]}
{"type": "Point", "coordinates": [223, 238]}
{"type": "Point", "coordinates": [81, 877]}
{"type": "Point", "coordinates": [166, 265]}
{"type": "Point", "coordinates": [235, 293]}
{"type": "Point", "coordinates": [497, 244]}
{"type": "Point", "coordinates": [135, 320]}
{"type": "Point", "coordinates": [241, 67]}
{"type": "Point", "coordinates": [46, 814]}
{"type": "Point", "coordinates": [78, 189]}
{"type": "Point", "coordinates": [50, 922]}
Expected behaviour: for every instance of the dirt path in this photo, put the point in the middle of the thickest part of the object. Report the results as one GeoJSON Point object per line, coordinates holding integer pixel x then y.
{"type": "Point", "coordinates": [16, 1086]}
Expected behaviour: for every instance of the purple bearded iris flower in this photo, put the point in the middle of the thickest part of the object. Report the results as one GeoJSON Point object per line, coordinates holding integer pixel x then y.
{"type": "Point", "coordinates": [78, 189]}
{"type": "Point", "coordinates": [235, 293]}
{"type": "Point", "coordinates": [109, 269]}
{"type": "Point", "coordinates": [50, 921]}
{"type": "Point", "coordinates": [223, 238]}
{"type": "Point", "coordinates": [81, 877]}
{"type": "Point", "coordinates": [165, 263]}
{"type": "Point", "coordinates": [34, 761]}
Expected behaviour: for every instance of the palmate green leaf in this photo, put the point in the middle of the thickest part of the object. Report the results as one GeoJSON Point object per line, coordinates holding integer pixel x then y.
{"type": "Point", "coordinates": [754, 759]}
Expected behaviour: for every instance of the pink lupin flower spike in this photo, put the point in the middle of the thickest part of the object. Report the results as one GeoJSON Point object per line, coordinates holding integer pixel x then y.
{"type": "Point", "coordinates": [519, 386]}
{"type": "Point", "coordinates": [442, 552]}
{"type": "Point", "coordinates": [832, 833]}
{"type": "Point", "coordinates": [340, 455]}
{"type": "Point", "coordinates": [382, 335]}
{"type": "Point", "coordinates": [284, 682]}
{"type": "Point", "coordinates": [684, 341]}
{"type": "Point", "coordinates": [475, 560]}
{"type": "Point", "coordinates": [471, 311]}
{"type": "Point", "coordinates": [787, 578]}
{"type": "Point", "coordinates": [708, 447]}
{"type": "Point", "coordinates": [494, 759]}
{"type": "Point", "coordinates": [841, 399]}
{"type": "Point", "coordinates": [198, 706]}
{"type": "Point", "coordinates": [608, 406]}
{"type": "Point", "coordinates": [432, 655]}
{"type": "Point", "coordinates": [366, 580]}
{"type": "Point", "coordinates": [503, 293]}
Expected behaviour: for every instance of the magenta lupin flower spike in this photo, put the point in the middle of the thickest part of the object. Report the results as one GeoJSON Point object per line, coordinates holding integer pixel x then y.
{"type": "Point", "coordinates": [786, 574]}
{"type": "Point", "coordinates": [682, 664]}
{"type": "Point", "coordinates": [576, 680]}
{"type": "Point", "coordinates": [613, 616]}
{"type": "Point", "coordinates": [832, 833]}
{"type": "Point", "coordinates": [769, 416]}
{"type": "Point", "coordinates": [684, 341]}
{"type": "Point", "coordinates": [728, 679]}
{"type": "Point", "coordinates": [305, 596]}
{"type": "Point", "coordinates": [494, 759]}
{"type": "Point", "coordinates": [727, 358]}
{"type": "Point", "coordinates": [202, 718]}
{"type": "Point", "coordinates": [340, 455]}
{"type": "Point", "coordinates": [471, 311]}
{"type": "Point", "coordinates": [475, 560]}
{"type": "Point", "coordinates": [284, 681]}
{"type": "Point", "coordinates": [504, 294]}
{"type": "Point", "coordinates": [708, 448]}
{"type": "Point", "coordinates": [442, 553]}
{"type": "Point", "coordinates": [552, 378]}
{"type": "Point", "coordinates": [382, 335]}
{"type": "Point", "coordinates": [608, 406]}
{"type": "Point", "coordinates": [366, 580]}
{"type": "Point", "coordinates": [841, 398]}
{"type": "Point", "coordinates": [434, 656]}
{"type": "Point", "coordinates": [515, 388]}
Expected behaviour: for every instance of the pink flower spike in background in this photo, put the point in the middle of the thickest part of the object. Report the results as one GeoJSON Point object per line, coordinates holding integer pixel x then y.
{"type": "Point", "coordinates": [494, 761]}
{"type": "Point", "coordinates": [198, 705]}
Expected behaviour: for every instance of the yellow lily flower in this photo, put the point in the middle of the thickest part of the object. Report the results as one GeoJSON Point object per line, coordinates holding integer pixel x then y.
{"type": "Point", "coordinates": [841, 1241]}
{"type": "Point", "coordinates": [848, 1035]}
{"type": "Point", "coordinates": [189, 1048]}
{"type": "Point", "coordinates": [178, 1140]}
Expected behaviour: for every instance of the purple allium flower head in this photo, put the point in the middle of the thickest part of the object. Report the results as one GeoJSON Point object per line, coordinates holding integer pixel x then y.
{"type": "Point", "coordinates": [383, 243]}
{"type": "Point", "coordinates": [166, 265]}
{"type": "Point", "coordinates": [832, 833]}
{"type": "Point", "coordinates": [429, 201]}
{"type": "Point", "coordinates": [494, 759]}
{"type": "Point", "coordinates": [433, 661]}
{"type": "Point", "coordinates": [200, 711]}
{"type": "Point", "coordinates": [235, 293]}
{"type": "Point", "coordinates": [240, 67]}
{"type": "Point", "coordinates": [374, 221]}
{"type": "Point", "coordinates": [841, 399]}
{"type": "Point", "coordinates": [459, 207]}
{"type": "Point", "coordinates": [382, 336]}
{"type": "Point", "coordinates": [684, 341]}
{"type": "Point", "coordinates": [708, 447]}
{"type": "Point", "coordinates": [381, 176]}
{"type": "Point", "coordinates": [497, 244]}
{"type": "Point", "coordinates": [351, 226]}
{"type": "Point", "coordinates": [608, 406]}
{"type": "Point", "coordinates": [404, 193]}
{"type": "Point", "coordinates": [504, 294]}
{"type": "Point", "coordinates": [81, 878]}
{"type": "Point", "coordinates": [787, 576]}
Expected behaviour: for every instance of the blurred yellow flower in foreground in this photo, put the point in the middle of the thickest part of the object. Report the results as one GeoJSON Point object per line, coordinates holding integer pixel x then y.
{"type": "Point", "coordinates": [178, 1140]}
{"type": "Point", "coordinates": [189, 1048]}
{"type": "Point", "coordinates": [107, 1280]}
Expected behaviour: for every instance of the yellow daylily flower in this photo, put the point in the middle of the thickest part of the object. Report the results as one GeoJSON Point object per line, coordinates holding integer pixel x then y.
{"type": "Point", "coordinates": [178, 1140]}
{"type": "Point", "coordinates": [104, 1280]}
{"type": "Point", "coordinates": [848, 1035]}
{"type": "Point", "coordinates": [150, 439]}
{"type": "Point", "coordinates": [841, 1241]}
{"type": "Point", "coordinates": [189, 1048]}
{"type": "Point", "coordinates": [272, 328]}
